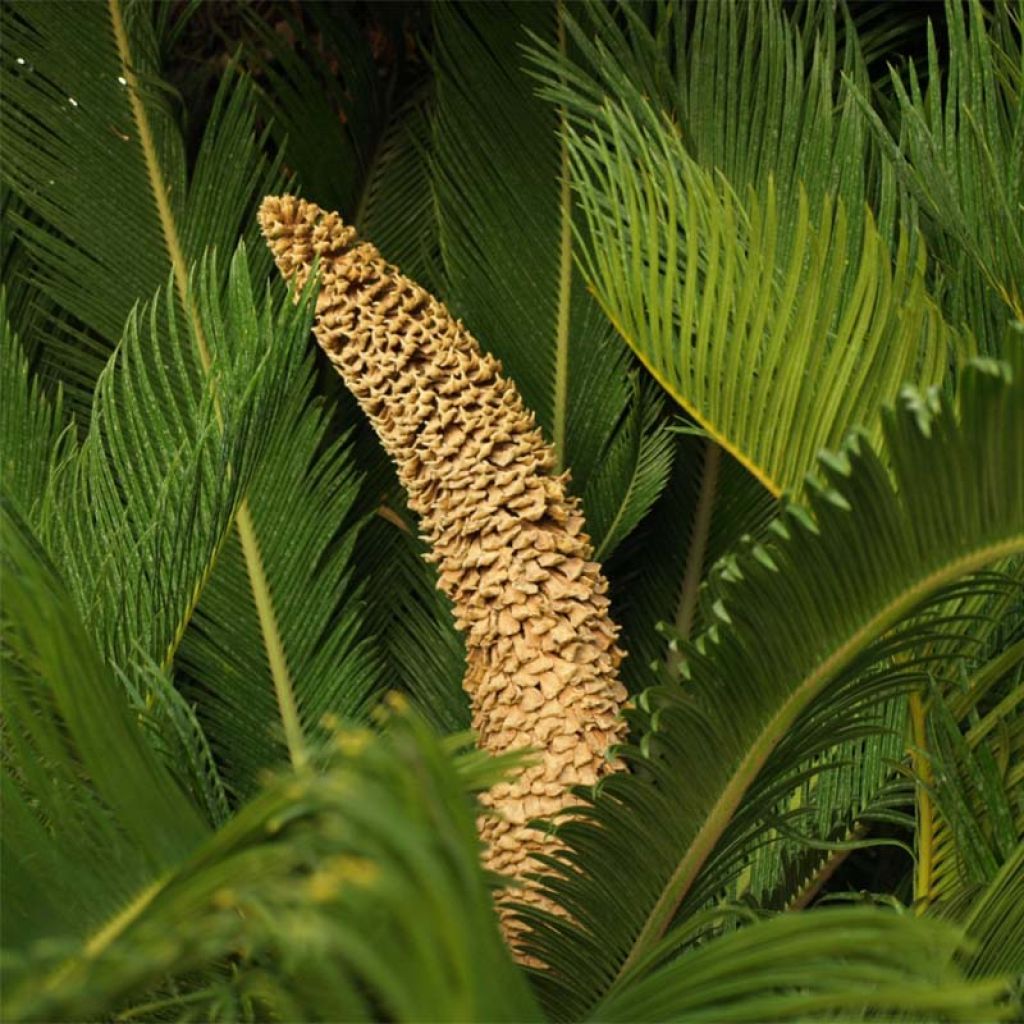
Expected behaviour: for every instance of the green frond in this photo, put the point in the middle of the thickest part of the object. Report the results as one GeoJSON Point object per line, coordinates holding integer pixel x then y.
{"type": "Point", "coordinates": [92, 150]}
{"type": "Point", "coordinates": [960, 152]}
{"type": "Point", "coordinates": [425, 658]}
{"type": "Point", "coordinates": [354, 893]}
{"type": "Point", "coordinates": [653, 569]}
{"type": "Point", "coordinates": [398, 210]}
{"type": "Point", "coordinates": [31, 425]}
{"type": "Point", "coordinates": [758, 346]}
{"type": "Point", "coordinates": [301, 496]}
{"type": "Point", "coordinates": [802, 621]}
{"type": "Point", "coordinates": [90, 813]}
{"type": "Point", "coordinates": [995, 923]}
{"type": "Point", "coordinates": [140, 513]}
{"type": "Point", "coordinates": [320, 91]}
{"type": "Point", "coordinates": [137, 209]}
{"type": "Point", "coordinates": [975, 775]}
{"type": "Point", "coordinates": [758, 92]}
{"type": "Point", "coordinates": [816, 966]}
{"type": "Point", "coordinates": [640, 452]}
{"type": "Point", "coordinates": [101, 857]}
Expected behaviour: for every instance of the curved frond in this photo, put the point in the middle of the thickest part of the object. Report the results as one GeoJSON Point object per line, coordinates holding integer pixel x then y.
{"type": "Point", "coordinates": [116, 159]}
{"type": "Point", "coordinates": [766, 350]}
{"type": "Point", "coordinates": [301, 497]}
{"type": "Point", "coordinates": [960, 152]}
{"type": "Point", "coordinates": [142, 509]}
{"type": "Point", "coordinates": [90, 813]}
{"type": "Point", "coordinates": [975, 775]}
{"type": "Point", "coordinates": [996, 922]}
{"type": "Point", "coordinates": [91, 148]}
{"type": "Point", "coordinates": [803, 620]}
{"type": "Point", "coordinates": [812, 966]}
{"type": "Point", "coordinates": [360, 883]}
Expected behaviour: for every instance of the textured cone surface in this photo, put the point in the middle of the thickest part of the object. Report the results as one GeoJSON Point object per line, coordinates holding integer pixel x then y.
{"type": "Point", "coordinates": [542, 662]}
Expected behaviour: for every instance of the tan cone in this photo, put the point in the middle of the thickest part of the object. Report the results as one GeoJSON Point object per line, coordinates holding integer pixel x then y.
{"type": "Point", "coordinates": [542, 663]}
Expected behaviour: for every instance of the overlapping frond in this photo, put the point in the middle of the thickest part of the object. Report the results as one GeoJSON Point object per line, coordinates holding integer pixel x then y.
{"type": "Point", "coordinates": [324, 96]}
{"type": "Point", "coordinates": [360, 884]}
{"type": "Point", "coordinates": [140, 512]}
{"type": "Point", "coordinates": [960, 152]}
{"type": "Point", "coordinates": [91, 816]}
{"type": "Point", "coordinates": [995, 923]}
{"type": "Point", "coordinates": [803, 648]}
{"type": "Point", "coordinates": [92, 150]}
{"type": "Point", "coordinates": [734, 252]}
{"type": "Point", "coordinates": [137, 218]}
{"type": "Point", "coordinates": [814, 966]}
{"type": "Point", "coordinates": [974, 773]}
{"type": "Point", "coordinates": [302, 498]}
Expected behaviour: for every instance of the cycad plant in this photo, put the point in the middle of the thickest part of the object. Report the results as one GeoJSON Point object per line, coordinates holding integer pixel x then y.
{"type": "Point", "coordinates": [757, 272]}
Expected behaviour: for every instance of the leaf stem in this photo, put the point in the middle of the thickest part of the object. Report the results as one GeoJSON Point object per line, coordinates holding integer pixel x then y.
{"type": "Point", "coordinates": [804, 692]}
{"type": "Point", "coordinates": [264, 602]}
{"type": "Point", "coordinates": [564, 275]}
{"type": "Point", "coordinates": [695, 555]}
{"type": "Point", "coordinates": [925, 812]}
{"type": "Point", "coordinates": [272, 641]}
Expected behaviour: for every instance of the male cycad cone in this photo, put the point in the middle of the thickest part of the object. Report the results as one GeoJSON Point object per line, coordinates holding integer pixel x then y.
{"type": "Point", "coordinates": [542, 663]}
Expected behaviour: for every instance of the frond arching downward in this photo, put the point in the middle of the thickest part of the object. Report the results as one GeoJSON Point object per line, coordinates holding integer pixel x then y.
{"type": "Point", "coordinates": [803, 619]}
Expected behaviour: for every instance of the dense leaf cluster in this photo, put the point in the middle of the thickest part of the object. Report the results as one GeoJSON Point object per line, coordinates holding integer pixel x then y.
{"type": "Point", "coordinates": [757, 268]}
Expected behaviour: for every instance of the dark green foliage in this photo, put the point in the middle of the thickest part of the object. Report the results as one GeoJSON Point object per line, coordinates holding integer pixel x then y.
{"type": "Point", "coordinates": [741, 273]}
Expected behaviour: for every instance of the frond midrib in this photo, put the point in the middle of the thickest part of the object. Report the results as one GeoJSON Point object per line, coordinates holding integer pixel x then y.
{"type": "Point", "coordinates": [721, 813]}
{"type": "Point", "coordinates": [259, 585]}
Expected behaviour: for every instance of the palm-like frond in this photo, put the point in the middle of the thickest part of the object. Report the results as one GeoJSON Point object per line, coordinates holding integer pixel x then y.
{"type": "Point", "coordinates": [397, 209]}
{"type": "Point", "coordinates": [802, 622]}
{"type": "Point", "coordinates": [960, 152]}
{"type": "Point", "coordinates": [974, 773]}
{"type": "Point", "coordinates": [813, 966]}
{"type": "Point", "coordinates": [760, 348]}
{"type": "Point", "coordinates": [92, 150]}
{"type": "Point", "coordinates": [323, 97]}
{"type": "Point", "coordinates": [734, 253]}
{"type": "Point", "coordinates": [72, 855]}
{"type": "Point", "coordinates": [505, 214]}
{"type": "Point", "coordinates": [139, 513]}
{"type": "Point", "coordinates": [136, 210]}
{"type": "Point", "coordinates": [658, 572]}
{"type": "Point", "coordinates": [425, 657]}
{"type": "Point", "coordinates": [30, 423]}
{"type": "Point", "coordinates": [301, 498]}
{"type": "Point", "coordinates": [996, 921]}
{"type": "Point", "coordinates": [361, 884]}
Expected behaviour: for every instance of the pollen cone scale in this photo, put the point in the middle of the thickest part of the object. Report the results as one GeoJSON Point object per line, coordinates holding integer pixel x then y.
{"type": "Point", "coordinates": [508, 541]}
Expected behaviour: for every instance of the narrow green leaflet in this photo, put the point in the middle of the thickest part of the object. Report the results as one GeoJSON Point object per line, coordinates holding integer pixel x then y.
{"type": "Point", "coordinates": [31, 425]}
{"type": "Point", "coordinates": [803, 620]}
{"type": "Point", "coordinates": [815, 966]}
{"type": "Point", "coordinates": [960, 151]}
{"type": "Point", "coordinates": [359, 883]}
